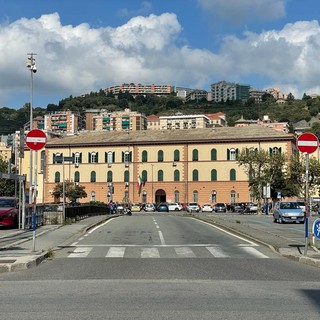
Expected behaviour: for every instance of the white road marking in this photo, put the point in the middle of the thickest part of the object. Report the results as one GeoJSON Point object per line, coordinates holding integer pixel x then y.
{"type": "Point", "coordinates": [99, 226]}
{"type": "Point", "coordinates": [74, 244]}
{"type": "Point", "coordinates": [163, 243]}
{"type": "Point", "coordinates": [227, 232]}
{"type": "Point", "coordinates": [116, 252]}
{"type": "Point", "coordinates": [80, 252]}
{"type": "Point", "coordinates": [150, 253]}
{"type": "Point", "coordinates": [184, 252]}
{"type": "Point", "coordinates": [254, 252]}
{"type": "Point", "coordinates": [217, 252]}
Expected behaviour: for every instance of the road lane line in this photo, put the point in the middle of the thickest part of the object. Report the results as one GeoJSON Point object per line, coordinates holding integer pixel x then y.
{"type": "Point", "coordinates": [227, 232]}
{"type": "Point", "coordinates": [163, 243]}
{"type": "Point", "coordinates": [150, 253]}
{"type": "Point", "coordinates": [254, 252]}
{"type": "Point", "coordinates": [217, 252]}
{"type": "Point", "coordinates": [98, 226]}
{"type": "Point", "coordinates": [80, 252]}
{"type": "Point", "coordinates": [184, 252]}
{"type": "Point", "coordinates": [116, 252]}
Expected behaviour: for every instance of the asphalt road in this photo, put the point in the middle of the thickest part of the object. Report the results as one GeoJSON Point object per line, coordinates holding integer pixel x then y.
{"type": "Point", "coordinates": [160, 266]}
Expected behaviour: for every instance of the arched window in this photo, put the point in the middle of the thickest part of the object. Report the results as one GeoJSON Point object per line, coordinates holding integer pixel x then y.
{"type": "Point", "coordinates": [144, 156]}
{"type": "Point", "coordinates": [233, 196]}
{"type": "Point", "coordinates": [213, 196]}
{"type": "Point", "coordinates": [213, 175]}
{"type": "Point", "coordinates": [77, 176]}
{"type": "Point", "coordinates": [176, 155]}
{"type": "Point", "coordinates": [57, 176]}
{"type": "Point", "coordinates": [144, 175]}
{"type": "Point", "coordinates": [160, 156]}
{"type": "Point", "coordinates": [176, 176]}
{"type": "Point", "coordinates": [213, 154]}
{"type": "Point", "coordinates": [232, 154]}
{"type": "Point", "coordinates": [195, 196]}
{"type": "Point", "coordinates": [160, 175]}
{"type": "Point", "coordinates": [232, 175]}
{"type": "Point", "coordinates": [195, 155]}
{"type": "Point", "coordinates": [126, 176]}
{"type": "Point", "coordinates": [176, 196]}
{"type": "Point", "coordinates": [195, 175]}
{"type": "Point", "coordinates": [93, 176]}
{"type": "Point", "coordinates": [109, 176]}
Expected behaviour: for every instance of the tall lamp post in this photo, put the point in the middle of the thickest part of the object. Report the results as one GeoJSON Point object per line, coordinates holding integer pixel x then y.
{"type": "Point", "coordinates": [31, 65]}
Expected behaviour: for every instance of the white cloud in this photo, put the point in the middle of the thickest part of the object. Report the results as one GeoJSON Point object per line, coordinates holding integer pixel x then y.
{"type": "Point", "coordinates": [242, 11]}
{"type": "Point", "coordinates": [72, 60]}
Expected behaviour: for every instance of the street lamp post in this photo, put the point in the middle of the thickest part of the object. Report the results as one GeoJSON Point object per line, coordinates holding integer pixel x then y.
{"type": "Point", "coordinates": [31, 65]}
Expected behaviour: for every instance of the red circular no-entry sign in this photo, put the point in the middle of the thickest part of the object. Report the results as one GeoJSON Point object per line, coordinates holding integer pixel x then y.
{"type": "Point", "coordinates": [36, 139]}
{"type": "Point", "coordinates": [307, 143]}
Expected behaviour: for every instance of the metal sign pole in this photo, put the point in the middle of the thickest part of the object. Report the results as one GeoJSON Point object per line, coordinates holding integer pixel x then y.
{"type": "Point", "coordinates": [34, 206]}
{"type": "Point", "coordinates": [307, 206]}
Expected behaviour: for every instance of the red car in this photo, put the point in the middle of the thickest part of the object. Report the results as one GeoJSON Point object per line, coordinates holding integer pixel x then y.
{"type": "Point", "coordinates": [8, 211]}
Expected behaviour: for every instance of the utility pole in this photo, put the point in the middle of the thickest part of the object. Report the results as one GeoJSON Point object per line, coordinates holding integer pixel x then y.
{"type": "Point", "coordinates": [31, 65]}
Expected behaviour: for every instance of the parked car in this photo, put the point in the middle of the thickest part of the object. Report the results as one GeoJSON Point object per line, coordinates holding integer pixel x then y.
{"type": "Point", "coordinates": [174, 206]}
{"type": "Point", "coordinates": [135, 207]}
{"type": "Point", "coordinates": [193, 206]}
{"type": "Point", "coordinates": [207, 207]}
{"type": "Point", "coordinates": [8, 211]}
{"type": "Point", "coordinates": [163, 207]}
{"type": "Point", "coordinates": [149, 207]}
{"type": "Point", "coordinates": [220, 207]}
{"type": "Point", "coordinates": [288, 211]}
{"type": "Point", "coordinates": [302, 205]}
{"type": "Point", "coordinates": [251, 208]}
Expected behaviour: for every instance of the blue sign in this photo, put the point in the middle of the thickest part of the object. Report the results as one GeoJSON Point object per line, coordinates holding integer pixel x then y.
{"type": "Point", "coordinates": [316, 228]}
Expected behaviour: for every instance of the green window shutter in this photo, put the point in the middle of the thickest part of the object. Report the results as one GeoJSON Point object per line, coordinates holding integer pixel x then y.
{"type": "Point", "coordinates": [73, 157]}
{"type": "Point", "coordinates": [213, 175]}
{"type": "Point", "coordinates": [176, 155]}
{"type": "Point", "coordinates": [232, 175]}
{"type": "Point", "coordinates": [113, 156]}
{"type": "Point", "coordinates": [160, 175]}
{"type": "Point", "coordinates": [97, 157]}
{"type": "Point", "coordinates": [195, 155]}
{"type": "Point", "coordinates": [122, 156]}
{"type": "Point", "coordinates": [80, 157]}
{"type": "Point", "coordinates": [144, 156]}
{"type": "Point", "coordinates": [77, 176]}
{"type": "Point", "coordinates": [126, 176]}
{"type": "Point", "coordinates": [160, 156]}
{"type": "Point", "coordinates": [57, 177]}
{"type": "Point", "coordinates": [144, 176]}
{"type": "Point", "coordinates": [195, 175]}
{"type": "Point", "coordinates": [89, 157]}
{"type": "Point", "coordinates": [176, 176]}
{"type": "Point", "coordinates": [213, 154]}
{"type": "Point", "coordinates": [109, 176]}
{"type": "Point", "coordinates": [106, 157]}
{"type": "Point", "coordinates": [93, 176]}
{"type": "Point", "coordinates": [228, 154]}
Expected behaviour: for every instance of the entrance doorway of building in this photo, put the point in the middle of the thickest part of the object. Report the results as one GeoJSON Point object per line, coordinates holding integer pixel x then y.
{"type": "Point", "coordinates": [160, 196]}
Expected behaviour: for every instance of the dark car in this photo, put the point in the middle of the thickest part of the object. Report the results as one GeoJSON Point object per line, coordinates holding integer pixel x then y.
{"type": "Point", "coordinates": [220, 207]}
{"type": "Point", "coordinates": [162, 207]}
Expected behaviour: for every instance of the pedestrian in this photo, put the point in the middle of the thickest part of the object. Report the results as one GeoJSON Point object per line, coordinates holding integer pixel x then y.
{"type": "Point", "coordinates": [111, 207]}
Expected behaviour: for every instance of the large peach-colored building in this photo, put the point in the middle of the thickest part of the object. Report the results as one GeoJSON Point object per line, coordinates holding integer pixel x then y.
{"type": "Point", "coordinates": [174, 165]}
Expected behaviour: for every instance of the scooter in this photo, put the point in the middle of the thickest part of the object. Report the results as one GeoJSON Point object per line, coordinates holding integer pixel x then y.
{"type": "Point", "coordinates": [127, 211]}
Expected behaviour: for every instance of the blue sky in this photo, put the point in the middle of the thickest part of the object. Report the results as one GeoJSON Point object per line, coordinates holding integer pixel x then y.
{"type": "Point", "coordinates": [83, 46]}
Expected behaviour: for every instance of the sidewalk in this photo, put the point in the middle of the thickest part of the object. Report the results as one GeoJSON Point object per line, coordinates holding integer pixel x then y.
{"type": "Point", "coordinates": [288, 240]}
{"type": "Point", "coordinates": [19, 255]}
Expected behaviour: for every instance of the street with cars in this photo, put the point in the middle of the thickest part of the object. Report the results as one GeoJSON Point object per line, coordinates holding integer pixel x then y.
{"type": "Point", "coordinates": [157, 265]}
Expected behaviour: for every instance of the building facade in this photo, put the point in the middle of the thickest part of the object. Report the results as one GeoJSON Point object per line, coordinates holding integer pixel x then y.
{"type": "Point", "coordinates": [61, 122]}
{"type": "Point", "coordinates": [184, 122]}
{"type": "Point", "coordinates": [153, 166]}
{"type": "Point", "coordinates": [223, 91]}
{"type": "Point", "coordinates": [104, 120]}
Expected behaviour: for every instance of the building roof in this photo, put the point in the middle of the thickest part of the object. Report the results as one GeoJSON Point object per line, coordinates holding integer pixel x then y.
{"type": "Point", "coordinates": [153, 137]}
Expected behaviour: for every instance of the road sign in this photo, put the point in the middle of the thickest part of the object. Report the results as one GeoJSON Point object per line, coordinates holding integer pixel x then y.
{"type": "Point", "coordinates": [36, 139]}
{"type": "Point", "coordinates": [307, 143]}
{"type": "Point", "coordinates": [316, 228]}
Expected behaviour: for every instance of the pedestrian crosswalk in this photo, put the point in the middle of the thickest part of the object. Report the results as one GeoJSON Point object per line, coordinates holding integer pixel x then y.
{"type": "Point", "coordinates": [163, 251]}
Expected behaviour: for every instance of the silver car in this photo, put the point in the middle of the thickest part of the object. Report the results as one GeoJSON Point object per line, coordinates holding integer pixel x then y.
{"type": "Point", "coordinates": [288, 211]}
